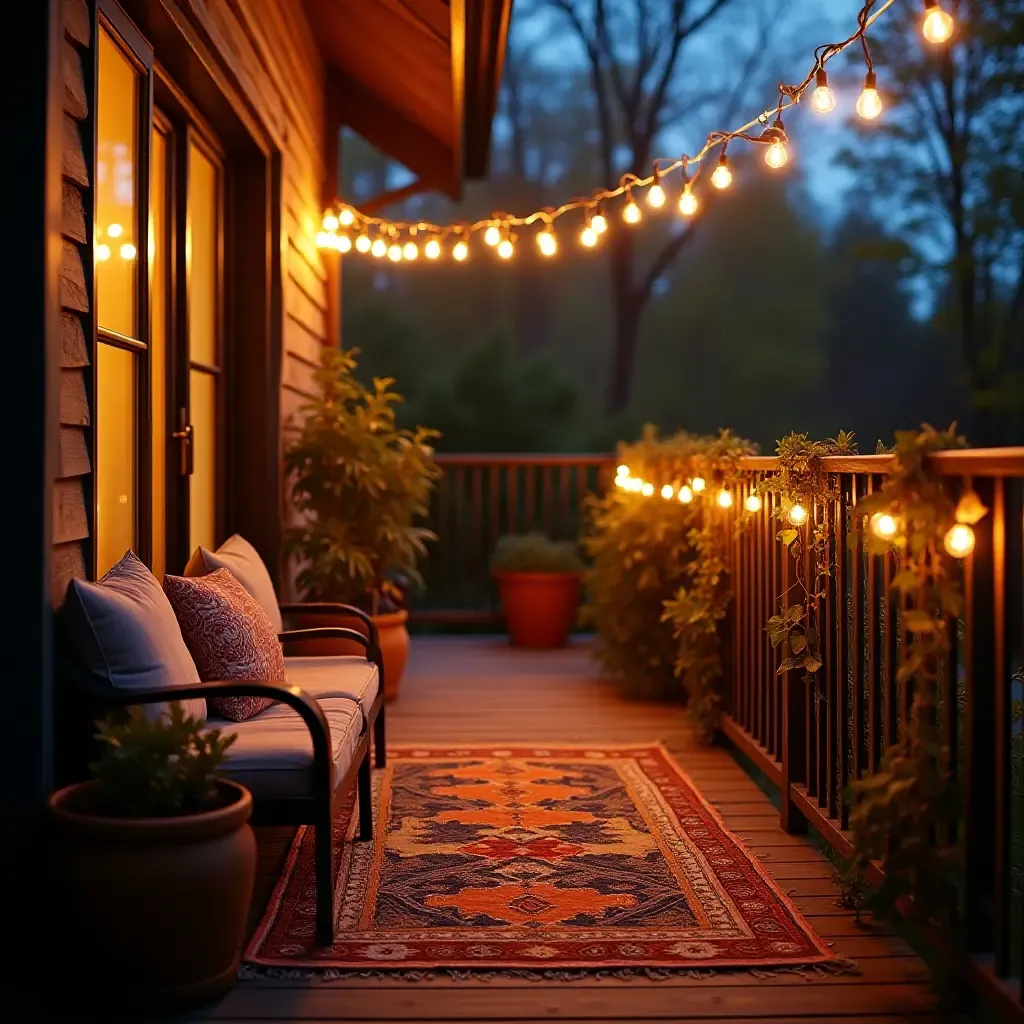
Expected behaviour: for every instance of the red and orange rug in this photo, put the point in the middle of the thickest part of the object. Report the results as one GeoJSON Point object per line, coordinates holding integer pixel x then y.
{"type": "Point", "coordinates": [537, 858]}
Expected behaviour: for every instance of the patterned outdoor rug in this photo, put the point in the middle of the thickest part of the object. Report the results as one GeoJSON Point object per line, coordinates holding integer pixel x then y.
{"type": "Point", "coordinates": [531, 858]}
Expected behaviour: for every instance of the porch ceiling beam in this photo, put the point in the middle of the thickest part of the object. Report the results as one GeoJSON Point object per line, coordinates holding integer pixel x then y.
{"type": "Point", "coordinates": [394, 195]}
{"type": "Point", "coordinates": [394, 133]}
{"type": "Point", "coordinates": [486, 36]}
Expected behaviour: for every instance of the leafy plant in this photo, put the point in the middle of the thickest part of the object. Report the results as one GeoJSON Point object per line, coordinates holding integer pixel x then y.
{"type": "Point", "coordinates": [158, 767]}
{"type": "Point", "coordinates": [899, 810]}
{"type": "Point", "coordinates": [702, 602]}
{"type": "Point", "coordinates": [535, 552]}
{"type": "Point", "coordinates": [360, 483]}
{"type": "Point", "coordinates": [639, 548]}
{"type": "Point", "coordinates": [803, 483]}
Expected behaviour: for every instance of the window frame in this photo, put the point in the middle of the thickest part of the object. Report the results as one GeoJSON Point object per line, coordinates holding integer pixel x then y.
{"type": "Point", "coordinates": [110, 18]}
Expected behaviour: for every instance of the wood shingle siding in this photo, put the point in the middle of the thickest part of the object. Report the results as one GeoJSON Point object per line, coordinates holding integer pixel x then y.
{"type": "Point", "coordinates": [71, 520]}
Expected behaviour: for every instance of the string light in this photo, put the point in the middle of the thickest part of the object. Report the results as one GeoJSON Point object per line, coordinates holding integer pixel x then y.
{"type": "Point", "coordinates": [724, 498]}
{"type": "Point", "coordinates": [668, 492]}
{"type": "Point", "coordinates": [884, 526]}
{"type": "Point", "coordinates": [128, 251]}
{"type": "Point", "coordinates": [959, 540]}
{"type": "Point", "coordinates": [656, 194]}
{"type": "Point", "coordinates": [823, 100]}
{"type": "Point", "coordinates": [379, 248]}
{"type": "Point", "coordinates": [647, 490]}
{"type": "Point", "coordinates": [344, 243]}
{"type": "Point", "coordinates": [797, 515]}
{"type": "Point", "coordinates": [395, 252]}
{"type": "Point", "coordinates": [776, 155]}
{"type": "Point", "coordinates": [622, 471]}
{"type": "Point", "coordinates": [869, 105]}
{"type": "Point", "coordinates": [631, 212]}
{"type": "Point", "coordinates": [685, 494]}
{"type": "Point", "coordinates": [432, 249]}
{"type": "Point", "coordinates": [410, 250]}
{"type": "Point", "coordinates": [722, 177]}
{"type": "Point", "coordinates": [938, 25]}
{"type": "Point", "coordinates": [688, 204]}
{"type": "Point", "coordinates": [753, 503]}
{"type": "Point", "coordinates": [547, 242]}
{"type": "Point", "coordinates": [114, 231]}
{"type": "Point", "coordinates": [698, 484]}
{"type": "Point", "coordinates": [102, 252]}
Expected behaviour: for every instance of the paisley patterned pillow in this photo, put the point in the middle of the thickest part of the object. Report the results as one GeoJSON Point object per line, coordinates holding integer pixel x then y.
{"type": "Point", "coordinates": [228, 635]}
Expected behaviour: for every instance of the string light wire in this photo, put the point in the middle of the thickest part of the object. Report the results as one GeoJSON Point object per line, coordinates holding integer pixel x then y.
{"type": "Point", "coordinates": [498, 225]}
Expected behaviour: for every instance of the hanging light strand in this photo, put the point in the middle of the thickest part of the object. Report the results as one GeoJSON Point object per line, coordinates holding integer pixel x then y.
{"type": "Point", "coordinates": [497, 227]}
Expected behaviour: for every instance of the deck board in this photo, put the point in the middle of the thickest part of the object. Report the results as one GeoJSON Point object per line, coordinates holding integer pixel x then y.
{"type": "Point", "coordinates": [461, 690]}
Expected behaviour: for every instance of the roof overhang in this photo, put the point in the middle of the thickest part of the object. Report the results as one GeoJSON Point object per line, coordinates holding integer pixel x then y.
{"type": "Point", "coordinates": [418, 79]}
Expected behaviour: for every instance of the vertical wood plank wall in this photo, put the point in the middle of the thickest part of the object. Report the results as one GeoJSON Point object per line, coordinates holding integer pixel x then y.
{"type": "Point", "coordinates": [70, 515]}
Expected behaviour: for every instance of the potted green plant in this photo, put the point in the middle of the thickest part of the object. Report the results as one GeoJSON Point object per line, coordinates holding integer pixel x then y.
{"type": "Point", "coordinates": [539, 583]}
{"type": "Point", "coordinates": [360, 485]}
{"type": "Point", "coordinates": [152, 863]}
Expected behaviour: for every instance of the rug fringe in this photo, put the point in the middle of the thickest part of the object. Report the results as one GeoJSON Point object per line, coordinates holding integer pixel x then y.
{"type": "Point", "coordinates": [809, 972]}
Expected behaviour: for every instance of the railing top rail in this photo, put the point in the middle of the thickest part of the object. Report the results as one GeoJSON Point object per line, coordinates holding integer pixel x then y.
{"type": "Point", "coordinates": [966, 462]}
{"type": "Point", "coordinates": [521, 459]}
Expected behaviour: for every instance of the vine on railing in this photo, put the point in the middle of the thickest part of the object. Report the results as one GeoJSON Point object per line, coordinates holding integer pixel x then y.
{"type": "Point", "coordinates": [702, 602]}
{"type": "Point", "coordinates": [899, 810]}
{"type": "Point", "coordinates": [803, 482]}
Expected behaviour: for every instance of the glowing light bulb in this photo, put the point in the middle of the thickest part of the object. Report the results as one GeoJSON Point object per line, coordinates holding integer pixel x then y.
{"type": "Point", "coordinates": [599, 223]}
{"type": "Point", "coordinates": [631, 212]}
{"type": "Point", "coordinates": [323, 240]}
{"type": "Point", "coordinates": [344, 243]}
{"type": "Point", "coordinates": [647, 490]}
{"type": "Point", "coordinates": [776, 156]}
{"type": "Point", "coordinates": [588, 237]}
{"type": "Point", "coordinates": [127, 251]}
{"type": "Point", "coordinates": [114, 231]}
{"type": "Point", "coordinates": [685, 494]}
{"type": "Point", "coordinates": [688, 204]}
{"type": "Point", "coordinates": [959, 540]}
{"type": "Point", "coordinates": [346, 218]}
{"type": "Point", "coordinates": [938, 25]}
{"type": "Point", "coordinates": [622, 482]}
{"type": "Point", "coordinates": [102, 252]}
{"type": "Point", "coordinates": [363, 242]}
{"type": "Point", "coordinates": [410, 250]}
{"type": "Point", "coordinates": [869, 105]}
{"type": "Point", "coordinates": [797, 515]}
{"type": "Point", "coordinates": [724, 498]}
{"type": "Point", "coordinates": [622, 471]}
{"type": "Point", "coordinates": [656, 196]}
{"type": "Point", "coordinates": [823, 100]}
{"type": "Point", "coordinates": [753, 503]}
{"type": "Point", "coordinates": [547, 243]}
{"type": "Point", "coordinates": [698, 484]}
{"type": "Point", "coordinates": [492, 236]}
{"type": "Point", "coordinates": [432, 249]}
{"type": "Point", "coordinates": [668, 492]}
{"type": "Point", "coordinates": [394, 252]}
{"type": "Point", "coordinates": [379, 248]}
{"type": "Point", "coordinates": [884, 525]}
{"type": "Point", "coordinates": [505, 249]}
{"type": "Point", "coordinates": [330, 223]}
{"type": "Point", "coordinates": [460, 251]}
{"type": "Point", "coordinates": [722, 177]}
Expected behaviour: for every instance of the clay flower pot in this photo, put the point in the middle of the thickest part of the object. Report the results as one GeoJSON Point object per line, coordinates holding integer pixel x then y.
{"type": "Point", "coordinates": [391, 631]}
{"type": "Point", "coordinates": [152, 910]}
{"type": "Point", "coordinates": [539, 607]}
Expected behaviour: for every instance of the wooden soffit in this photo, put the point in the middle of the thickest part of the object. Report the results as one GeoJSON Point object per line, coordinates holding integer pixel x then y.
{"type": "Point", "coordinates": [418, 79]}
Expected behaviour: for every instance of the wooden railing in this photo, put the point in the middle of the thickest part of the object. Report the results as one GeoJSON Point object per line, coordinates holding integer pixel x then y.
{"type": "Point", "coordinates": [481, 497]}
{"type": "Point", "coordinates": [812, 745]}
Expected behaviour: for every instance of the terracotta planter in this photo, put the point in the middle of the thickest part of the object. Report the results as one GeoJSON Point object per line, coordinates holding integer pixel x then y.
{"type": "Point", "coordinates": [152, 910]}
{"type": "Point", "coordinates": [540, 607]}
{"type": "Point", "coordinates": [391, 630]}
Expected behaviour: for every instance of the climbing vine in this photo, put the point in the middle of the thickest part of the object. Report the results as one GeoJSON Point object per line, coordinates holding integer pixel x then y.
{"type": "Point", "coordinates": [899, 811]}
{"type": "Point", "coordinates": [701, 603]}
{"type": "Point", "coordinates": [802, 482]}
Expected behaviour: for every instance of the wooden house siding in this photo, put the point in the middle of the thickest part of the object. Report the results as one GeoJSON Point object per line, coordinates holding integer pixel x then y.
{"type": "Point", "coordinates": [71, 520]}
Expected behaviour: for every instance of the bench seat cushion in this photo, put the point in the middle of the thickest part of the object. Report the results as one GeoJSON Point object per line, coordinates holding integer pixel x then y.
{"type": "Point", "coordinates": [273, 755]}
{"type": "Point", "coordinates": [348, 675]}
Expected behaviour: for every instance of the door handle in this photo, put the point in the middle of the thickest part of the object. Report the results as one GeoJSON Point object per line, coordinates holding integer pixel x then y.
{"type": "Point", "coordinates": [183, 435]}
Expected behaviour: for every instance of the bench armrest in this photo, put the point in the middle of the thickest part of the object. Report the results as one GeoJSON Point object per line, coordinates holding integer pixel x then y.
{"type": "Point", "coordinates": [325, 633]}
{"type": "Point", "coordinates": [327, 607]}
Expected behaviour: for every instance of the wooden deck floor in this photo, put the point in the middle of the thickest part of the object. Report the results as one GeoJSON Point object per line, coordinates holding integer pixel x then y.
{"type": "Point", "coordinates": [462, 690]}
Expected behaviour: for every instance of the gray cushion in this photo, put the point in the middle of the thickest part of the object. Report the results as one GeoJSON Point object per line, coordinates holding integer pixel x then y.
{"type": "Point", "coordinates": [123, 633]}
{"type": "Point", "coordinates": [273, 755]}
{"type": "Point", "coordinates": [334, 675]}
{"type": "Point", "coordinates": [243, 560]}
